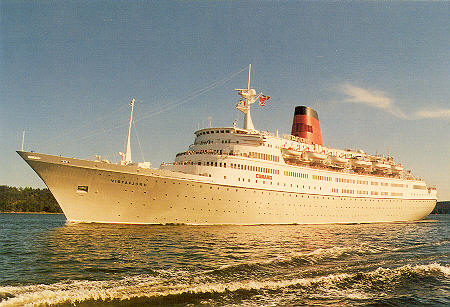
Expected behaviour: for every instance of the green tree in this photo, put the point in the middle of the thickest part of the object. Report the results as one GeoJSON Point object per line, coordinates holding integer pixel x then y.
{"type": "Point", "coordinates": [27, 199]}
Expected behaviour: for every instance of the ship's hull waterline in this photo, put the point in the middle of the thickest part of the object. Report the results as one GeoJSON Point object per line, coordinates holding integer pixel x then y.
{"type": "Point", "coordinates": [128, 194]}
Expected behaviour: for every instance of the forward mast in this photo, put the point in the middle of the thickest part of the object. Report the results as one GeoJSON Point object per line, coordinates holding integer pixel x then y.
{"type": "Point", "coordinates": [126, 158]}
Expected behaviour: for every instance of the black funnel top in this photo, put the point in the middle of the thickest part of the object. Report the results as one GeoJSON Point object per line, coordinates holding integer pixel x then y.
{"type": "Point", "coordinates": [302, 110]}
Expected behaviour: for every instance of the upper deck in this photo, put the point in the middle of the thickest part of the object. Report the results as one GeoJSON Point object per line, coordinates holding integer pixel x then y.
{"type": "Point", "coordinates": [288, 150]}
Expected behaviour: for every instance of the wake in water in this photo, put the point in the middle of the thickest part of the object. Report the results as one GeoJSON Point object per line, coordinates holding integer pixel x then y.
{"type": "Point", "coordinates": [108, 265]}
{"type": "Point", "coordinates": [185, 287]}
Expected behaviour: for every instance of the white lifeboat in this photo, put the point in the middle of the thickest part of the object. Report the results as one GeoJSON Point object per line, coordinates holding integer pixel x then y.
{"type": "Point", "coordinates": [360, 163]}
{"type": "Point", "coordinates": [379, 165]}
{"type": "Point", "coordinates": [314, 156]}
{"type": "Point", "coordinates": [396, 168]}
{"type": "Point", "coordinates": [338, 160]}
{"type": "Point", "coordinates": [291, 152]}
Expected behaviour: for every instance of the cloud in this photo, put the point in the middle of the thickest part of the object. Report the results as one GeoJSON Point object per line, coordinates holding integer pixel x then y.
{"type": "Point", "coordinates": [440, 113]}
{"type": "Point", "coordinates": [380, 100]}
{"type": "Point", "coordinates": [376, 99]}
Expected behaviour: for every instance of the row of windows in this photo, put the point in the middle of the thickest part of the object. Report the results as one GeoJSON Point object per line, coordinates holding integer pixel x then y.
{"type": "Point", "coordinates": [212, 142]}
{"type": "Point", "coordinates": [322, 178]}
{"type": "Point", "coordinates": [240, 166]}
{"type": "Point", "coordinates": [397, 185]}
{"type": "Point", "coordinates": [278, 184]}
{"type": "Point", "coordinates": [213, 131]}
{"type": "Point", "coordinates": [206, 142]}
{"type": "Point", "coordinates": [216, 164]}
{"type": "Point", "coordinates": [255, 168]}
{"type": "Point", "coordinates": [396, 194]}
{"type": "Point", "coordinates": [345, 180]}
{"type": "Point", "coordinates": [361, 192]}
{"type": "Point", "coordinates": [200, 152]}
{"type": "Point", "coordinates": [294, 174]}
{"type": "Point", "coordinates": [262, 156]}
{"type": "Point", "coordinates": [383, 184]}
{"type": "Point", "coordinates": [419, 187]}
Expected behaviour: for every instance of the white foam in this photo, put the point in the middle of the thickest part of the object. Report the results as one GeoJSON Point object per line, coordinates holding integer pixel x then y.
{"type": "Point", "coordinates": [150, 286]}
{"type": "Point", "coordinates": [433, 267]}
{"type": "Point", "coordinates": [78, 291]}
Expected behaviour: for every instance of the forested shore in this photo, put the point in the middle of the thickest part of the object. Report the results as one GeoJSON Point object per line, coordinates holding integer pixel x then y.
{"type": "Point", "coordinates": [442, 207]}
{"type": "Point", "coordinates": [14, 199]}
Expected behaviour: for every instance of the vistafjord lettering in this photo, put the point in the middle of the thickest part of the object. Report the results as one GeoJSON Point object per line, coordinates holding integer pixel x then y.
{"type": "Point", "coordinates": [128, 182]}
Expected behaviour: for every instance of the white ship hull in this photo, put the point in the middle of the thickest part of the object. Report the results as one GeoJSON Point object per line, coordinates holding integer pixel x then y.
{"type": "Point", "coordinates": [128, 194]}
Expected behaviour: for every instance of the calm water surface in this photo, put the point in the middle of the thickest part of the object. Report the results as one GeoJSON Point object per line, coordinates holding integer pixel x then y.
{"type": "Point", "coordinates": [46, 261]}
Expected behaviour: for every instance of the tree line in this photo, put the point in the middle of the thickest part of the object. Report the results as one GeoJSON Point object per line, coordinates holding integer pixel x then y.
{"type": "Point", "coordinates": [14, 199]}
{"type": "Point", "coordinates": [442, 207]}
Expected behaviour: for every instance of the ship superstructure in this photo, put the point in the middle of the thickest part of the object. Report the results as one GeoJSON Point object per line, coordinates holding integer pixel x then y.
{"type": "Point", "coordinates": [233, 175]}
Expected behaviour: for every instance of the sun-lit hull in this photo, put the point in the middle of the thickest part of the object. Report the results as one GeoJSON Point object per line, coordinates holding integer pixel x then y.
{"type": "Point", "coordinates": [128, 194]}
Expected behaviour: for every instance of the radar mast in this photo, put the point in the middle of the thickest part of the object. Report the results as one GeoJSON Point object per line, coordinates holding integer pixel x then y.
{"type": "Point", "coordinates": [249, 97]}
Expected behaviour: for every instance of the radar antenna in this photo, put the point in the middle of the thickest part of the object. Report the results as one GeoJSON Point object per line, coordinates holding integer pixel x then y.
{"type": "Point", "coordinates": [248, 97]}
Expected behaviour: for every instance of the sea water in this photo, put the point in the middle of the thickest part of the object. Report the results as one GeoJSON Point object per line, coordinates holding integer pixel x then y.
{"type": "Point", "coordinates": [46, 261]}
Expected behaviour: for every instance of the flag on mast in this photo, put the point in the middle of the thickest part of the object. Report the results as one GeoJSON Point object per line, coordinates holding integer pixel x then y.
{"type": "Point", "coordinates": [262, 100]}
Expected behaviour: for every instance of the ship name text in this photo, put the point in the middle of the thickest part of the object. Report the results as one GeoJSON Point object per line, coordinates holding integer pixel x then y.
{"type": "Point", "coordinates": [128, 182]}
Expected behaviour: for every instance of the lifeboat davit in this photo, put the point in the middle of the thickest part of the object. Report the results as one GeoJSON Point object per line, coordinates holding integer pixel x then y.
{"type": "Point", "coordinates": [360, 163]}
{"type": "Point", "coordinates": [314, 156]}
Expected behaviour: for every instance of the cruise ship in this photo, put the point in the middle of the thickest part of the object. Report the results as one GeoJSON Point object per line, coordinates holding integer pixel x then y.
{"type": "Point", "coordinates": [233, 175]}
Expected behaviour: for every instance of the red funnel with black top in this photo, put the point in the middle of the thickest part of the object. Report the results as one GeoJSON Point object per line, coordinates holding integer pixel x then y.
{"type": "Point", "coordinates": [306, 125]}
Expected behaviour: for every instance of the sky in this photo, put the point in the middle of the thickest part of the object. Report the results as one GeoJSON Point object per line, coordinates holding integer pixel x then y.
{"type": "Point", "coordinates": [377, 73]}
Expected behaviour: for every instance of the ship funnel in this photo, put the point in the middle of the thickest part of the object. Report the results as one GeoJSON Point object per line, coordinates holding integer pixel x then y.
{"type": "Point", "coordinates": [306, 125]}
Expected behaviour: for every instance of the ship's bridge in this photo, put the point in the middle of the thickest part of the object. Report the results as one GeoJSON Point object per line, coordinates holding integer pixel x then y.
{"type": "Point", "coordinates": [230, 141]}
{"type": "Point", "coordinates": [212, 131]}
{"type": "Point", "coordinates": [227, 135]}
{"type": "Point", "coordinates": [212, 136]}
